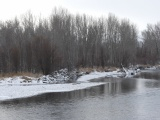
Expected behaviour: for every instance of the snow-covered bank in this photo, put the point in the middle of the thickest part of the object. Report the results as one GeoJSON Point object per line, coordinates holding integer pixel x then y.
{"type": "Point", "coordinates": [12, 92]}
{"type": "Point", "coordinates": [95, 75]}
{"type": "Point", "coordinates": [20, 87]}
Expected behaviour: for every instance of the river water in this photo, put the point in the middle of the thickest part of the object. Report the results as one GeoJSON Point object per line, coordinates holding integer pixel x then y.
{"type": "Point", "coordinates": [119, 99]}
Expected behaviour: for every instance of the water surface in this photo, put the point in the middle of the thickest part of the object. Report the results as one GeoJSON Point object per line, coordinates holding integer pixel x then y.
{"type": "Point", "coordinates": [119, 99]}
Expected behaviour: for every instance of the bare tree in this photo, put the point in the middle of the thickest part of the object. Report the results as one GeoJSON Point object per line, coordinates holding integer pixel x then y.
{"type": "Point", "coordinates": [151, 38]}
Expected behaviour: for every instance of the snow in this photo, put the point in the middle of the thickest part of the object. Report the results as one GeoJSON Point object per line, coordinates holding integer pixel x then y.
{"type": "Point", "coordinates": [18, 87]}
{"type": "Point", "coordinates": [96, 74]}
{"type": "Point", "coordinates": [12, 92]}
{"type": "Point", "coordinates": [19, 80]}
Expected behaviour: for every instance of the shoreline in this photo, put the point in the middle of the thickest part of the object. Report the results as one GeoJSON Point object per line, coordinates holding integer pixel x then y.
{"type": "Point", "coordinates": [17, 90]}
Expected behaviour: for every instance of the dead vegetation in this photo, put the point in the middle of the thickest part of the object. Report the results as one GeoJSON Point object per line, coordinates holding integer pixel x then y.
{"type": "Point", "coordinates": [26, 79]}
{"type": "Point", "coordinates": [23, 74]}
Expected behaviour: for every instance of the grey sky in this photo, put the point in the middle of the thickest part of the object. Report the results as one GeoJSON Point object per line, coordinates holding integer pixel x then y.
{"type": "Point", "coordinates": [139, 12]}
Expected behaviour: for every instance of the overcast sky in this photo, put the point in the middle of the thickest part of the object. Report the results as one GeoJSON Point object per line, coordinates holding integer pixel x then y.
{"type": "Point", "coordinates": [139, 12]}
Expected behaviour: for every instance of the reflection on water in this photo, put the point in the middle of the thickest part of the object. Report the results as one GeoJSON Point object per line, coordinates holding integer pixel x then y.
{"type": "Point", "coordinates": [118, 99]}
{"type": "Point", "coordinates": [149, 75]}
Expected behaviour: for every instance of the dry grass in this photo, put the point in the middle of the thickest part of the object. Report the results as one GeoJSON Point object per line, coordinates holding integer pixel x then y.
{"type": "Point", "coordinates": [37, 75]}
{"type": "Point", "coordinates": [26, 78]}
{"type": "Point", "coordinates": [3, 75]}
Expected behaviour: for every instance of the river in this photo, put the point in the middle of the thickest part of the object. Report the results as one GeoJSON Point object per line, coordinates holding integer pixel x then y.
{"type": "Point", "coordinates": [119, 99]}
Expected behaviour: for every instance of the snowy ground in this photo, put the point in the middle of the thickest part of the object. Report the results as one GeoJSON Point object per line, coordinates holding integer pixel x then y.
{"type": "Point", "coordinates": [17, 87]}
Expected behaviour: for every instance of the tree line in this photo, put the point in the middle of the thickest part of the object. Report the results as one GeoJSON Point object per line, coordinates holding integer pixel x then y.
{"type": "Point", "coordinates": [71, 41]}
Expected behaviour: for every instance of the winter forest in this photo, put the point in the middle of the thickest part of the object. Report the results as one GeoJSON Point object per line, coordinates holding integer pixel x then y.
{"type": "Point", "coordinates": [63, 40]}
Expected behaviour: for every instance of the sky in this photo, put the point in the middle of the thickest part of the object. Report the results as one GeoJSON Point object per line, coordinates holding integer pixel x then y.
{"type": "Point", "coordinates": [139, 12]}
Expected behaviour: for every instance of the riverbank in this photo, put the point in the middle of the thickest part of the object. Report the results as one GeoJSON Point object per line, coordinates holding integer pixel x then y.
{"type": "Point", "coordinates": [24, 86]}
{"type": "Point", "coordinates": [117, 99]}
{"type": "Point", "coordinates": [17, 87]}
